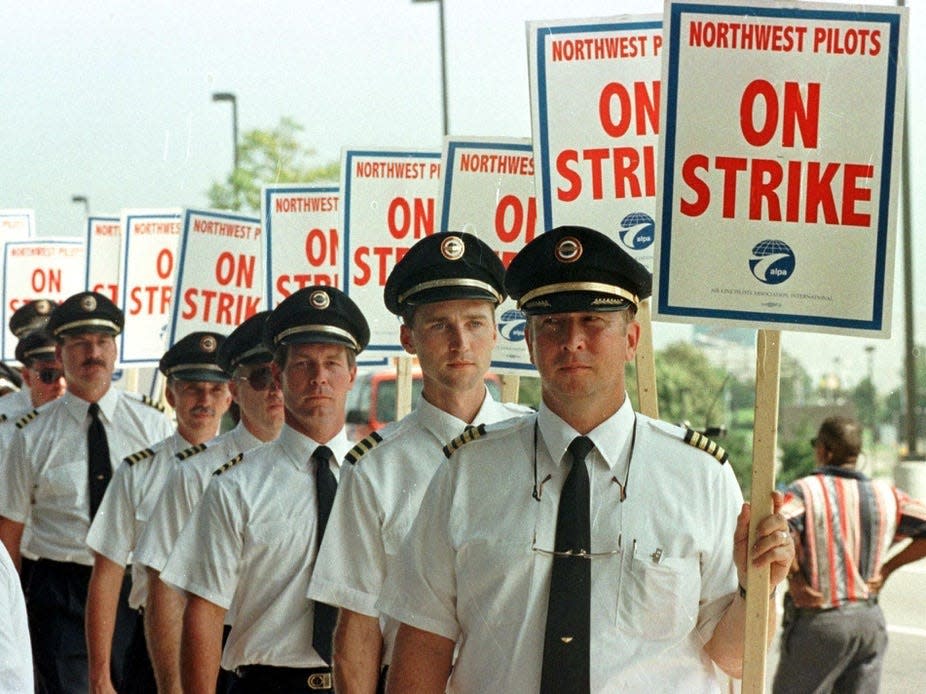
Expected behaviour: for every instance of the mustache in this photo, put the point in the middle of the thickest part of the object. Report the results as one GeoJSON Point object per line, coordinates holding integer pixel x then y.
{"type": "Point", "coordinates": [202, 409]}
{"type": "Point", "coordinates": [93, 362]}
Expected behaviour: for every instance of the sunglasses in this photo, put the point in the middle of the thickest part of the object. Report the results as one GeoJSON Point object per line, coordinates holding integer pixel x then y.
{"type": "Point", "coordinates": [49, 376]}
{"type": "Point", "coordinates": [259, 379]}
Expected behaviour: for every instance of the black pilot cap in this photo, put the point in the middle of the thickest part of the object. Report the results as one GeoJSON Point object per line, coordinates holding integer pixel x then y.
{"type": "Point", "coordinates": [193, 358]}
{"type": "Point", "coordinates": [443, 267]}
{"type": "Point", "coordinates": [86, 312]}
{"type": "Point", "coordinates": [31, 316]}
{"type": "Point", "coordinates": [245, 345]}
{"type": "Point", "coordinates": [576, 269]}
{"type": "Point", "coordinates": [317, 314]}
{"type": "Point", "coordinates": [38, 345]}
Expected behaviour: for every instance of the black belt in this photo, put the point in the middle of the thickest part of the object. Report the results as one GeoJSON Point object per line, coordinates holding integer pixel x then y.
{"type": "Point", "coordinates": [312, 678]}
{"type": "Point", "coordinates": [852, 605]}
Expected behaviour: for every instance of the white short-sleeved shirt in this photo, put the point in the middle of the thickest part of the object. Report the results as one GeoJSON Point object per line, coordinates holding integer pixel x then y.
{"type": "Point", "coordinates": [44, 475]}
{"type": "Point", "coordinates": [377, 500]}
{"type": "Point", "coordinates": [468, 569]}
{"type": "Point", "coordinates": [128, 504]}
{"type": "Point", "coordinates": [13, 404]}
{"type": "Point", "coordinates": [182, 491]}
{"type": "Point", "coordinates": [15, 649]}
{"type": "Point", "coordinates": [250, 547]}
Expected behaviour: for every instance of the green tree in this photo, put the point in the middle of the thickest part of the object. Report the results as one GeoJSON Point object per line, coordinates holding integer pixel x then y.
{"type": "Point", "coordinates": [267, 157]}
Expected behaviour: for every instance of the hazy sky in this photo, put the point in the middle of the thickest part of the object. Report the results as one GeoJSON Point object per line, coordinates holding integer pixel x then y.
{"type": "Point", "coordinates": [112, 100]}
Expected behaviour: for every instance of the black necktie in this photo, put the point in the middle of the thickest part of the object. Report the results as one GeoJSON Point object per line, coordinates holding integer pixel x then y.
{"type": "Point", "coordinates": [566, 652]}
{"type": "Point", "coordinates": [325, 487]}
{"type": "Point", "coordinates": [99, 470]}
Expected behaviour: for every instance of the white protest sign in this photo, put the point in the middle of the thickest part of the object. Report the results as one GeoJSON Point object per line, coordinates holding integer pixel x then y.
{"type": "Point", "coordinates": [16, 225]}
{"type": "Point", "coordinates": [389, 202]}
{"type": "Point", "coordinates": [595, 91]}
{"type": "Point", "coordinates": [149, 262]}
{"type": "Point", "coordinates": [782, 133]}
{"type": "Point", "coordinates": [46, 269]}
{"type": "Point", "coordinates": [302, 226]}
{"type": "Point", "coordinates": [220, 276]}
{"type": "Point", "coordinates": [104, 248]}
{"type": "Point", "coordinates": [488, 191]}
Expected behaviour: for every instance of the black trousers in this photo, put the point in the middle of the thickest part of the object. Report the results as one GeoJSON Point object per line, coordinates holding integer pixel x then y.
{"type": "Point", "coordinates": [56, 599]}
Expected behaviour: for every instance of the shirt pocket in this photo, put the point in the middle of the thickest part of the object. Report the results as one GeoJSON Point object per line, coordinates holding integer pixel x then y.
{"type": "Point", "coordinates": [658, 600]}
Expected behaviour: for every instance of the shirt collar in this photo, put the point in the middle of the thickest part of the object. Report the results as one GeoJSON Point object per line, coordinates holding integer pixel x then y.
{"type": "Point", "coordinates": [243, 438]}
{"type": "Point", "coordinates": [78, 407]}
{"type": "Point", "coordinates": [443, 425]}
{"type": "Point", "coordinates": [837, 471]}
{"type": "Point", "coordinates": [611, 438]}
{"type": "Point", "coordinates": [300, 448]}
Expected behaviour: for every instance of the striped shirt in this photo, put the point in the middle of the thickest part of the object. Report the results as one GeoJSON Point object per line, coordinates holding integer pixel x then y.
{"type": "Point", "coordinates": [847, 523]}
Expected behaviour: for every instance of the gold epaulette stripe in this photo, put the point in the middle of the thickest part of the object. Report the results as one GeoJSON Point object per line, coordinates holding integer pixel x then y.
{"type": "Point", "coordinates": [470, 434]}
{"type": "Point", "coordinates": [26, 418]}
{"type": "Point", "coordinates": [699, 440]}
{"type": "Point", "coordinates": [191, 451]}
{"type": "Point", "coordinates": [151, 402]}
{"type": "Point", "coordinates": [362, 447]}
{"type": "Point", "coordinates": [230, 464]}
{"type": "Point", "coordinates": [138, 456]}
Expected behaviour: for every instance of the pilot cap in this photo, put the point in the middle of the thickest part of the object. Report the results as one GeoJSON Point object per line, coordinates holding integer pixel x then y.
{"type": "Point", "coordinates": [317, 314]}
{"type": "Point", "coordinates": [38, 345]}
{"type": "Point", "coordinates": [245, 345]}
{"type": "Point", "coordinates": [576, 269]}
{"type": "Point", "coordinates": [86, 312]}
{"type": "Point", "coordinates": [443, 267]}
{"type": "Point", "coordinates": [31, 316]}
{"type": "Point", "coordinates": [193, 358]}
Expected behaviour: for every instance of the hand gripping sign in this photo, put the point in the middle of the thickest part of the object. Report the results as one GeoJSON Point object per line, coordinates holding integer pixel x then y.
{"type": "Point", "coordinates": [104, 242]}
{"type": "Point", "coordinates": [47, 269]}
{"type": "Point", "coordinates": [488, 191]}
{"type": "Point", "coordinates": [390, 200]}
{"type": "Point", "coordinates": [149, 261]}
{"type": "Point", "coordinates": [219, 282]}
{"type": "Point", "coordinates": [302, 226]}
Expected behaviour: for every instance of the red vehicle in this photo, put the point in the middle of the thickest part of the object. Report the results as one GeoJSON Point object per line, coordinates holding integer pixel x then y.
{"type": "Point", "coordinates": [371, 402]}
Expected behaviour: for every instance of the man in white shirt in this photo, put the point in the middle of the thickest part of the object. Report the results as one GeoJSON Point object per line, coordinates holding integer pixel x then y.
{"type": "Point", "coordinates": [446, 289]}
{"type": "Point", "coordinates": [260, 406]}
{"type": "Point", "coordinates": [56, 468]}
{"type": "Point", "coordinates": [197, 390]}
{"type": "Point", "coordinates": [588, 547]}
{"type": "Point", "coordinates": [251, 543]}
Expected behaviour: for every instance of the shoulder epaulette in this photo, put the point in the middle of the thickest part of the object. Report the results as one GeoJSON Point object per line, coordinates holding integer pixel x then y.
{"type": "Point", "coordinates": [191, 451]}
{"type": "Point", "coordinates": [138, 456]}
{"type": "Point", "coordinates": [3, 418]}
{"type": "Point", "coordinates": [699, 440]}
{"type": "Point", "coordinates": [470, 434]}
{"type": "Point", "coordinates": [151, 402]}
{"type": "Point", "coordinates": [362, 447]}
{"type": "Point", "coordinates": [230, 464]}
{"type": "Point", "coordinates": [26, 418]}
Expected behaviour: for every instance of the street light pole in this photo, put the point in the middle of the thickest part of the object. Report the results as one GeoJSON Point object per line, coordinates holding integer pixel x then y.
{"type": "Point", "coordinates": [82, 199]}
{"type": "Point", "coordinates": [443, 63]}
{"type": "Point", "coordinates": [228, 96]}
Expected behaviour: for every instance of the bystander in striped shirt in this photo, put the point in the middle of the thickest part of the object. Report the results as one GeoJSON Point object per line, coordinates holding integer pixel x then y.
{"type": "Point", "coordinates": [847, 523]}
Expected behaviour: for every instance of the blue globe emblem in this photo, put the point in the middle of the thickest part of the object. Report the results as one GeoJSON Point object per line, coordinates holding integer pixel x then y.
{"type": "Point", "coordinates": [637, 231]}
{"type": "Point", "coordinates": [511, 325]}
{"type": "Point", "coordinates": [772, 261]}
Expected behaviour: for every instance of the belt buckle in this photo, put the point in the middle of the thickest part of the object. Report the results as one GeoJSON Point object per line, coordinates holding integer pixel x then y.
{"type": "Point", "coordinates": [319, 680]}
